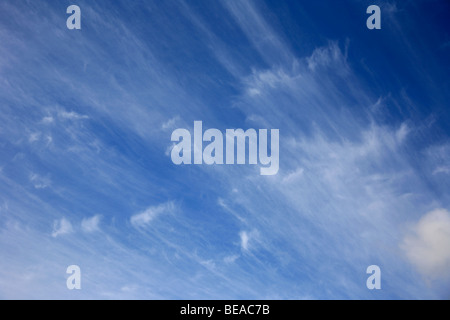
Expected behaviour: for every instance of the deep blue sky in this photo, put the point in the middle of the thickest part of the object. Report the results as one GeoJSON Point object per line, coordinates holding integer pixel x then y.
{"type": "Point", "coordinates": [86, 177]}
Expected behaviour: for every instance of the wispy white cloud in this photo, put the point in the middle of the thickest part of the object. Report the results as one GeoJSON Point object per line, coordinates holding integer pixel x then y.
{"type": "Point", "coordinates": [221, 202]}
{"type": "Point", "coordinates": [48, 120]}
{"type": "Point", "coordinates": [328, 56]}
{"type": "Point", "coordinates": [71, 115]}
{"type": "Point", "coordinates": [293, 176]}
{"type": "Point", "coordinates": [230, 259]}
{"type": "Point", "coordinates": [339, 171]}
{"type": "Point", "coordinates": [208, 264]}
{"type": "Point", "coordinates": [402, 133]}
{"type": "Point", "coordinates": [248, 239]}
{"type": "Point", "coordinates": [40, 182]}
{"type": "Point", "coordinates": [438, 158]}
{"type": "Point", "coordinates": [144, 218]}
{"type": "Point", "coordinates": [259, 32]}
{"type": "Point", "coordinates": [171, 123]}
{"type": "Point", "coordinates": [442, 169]}
{"type": "Point", "coordinates": [34, 137]}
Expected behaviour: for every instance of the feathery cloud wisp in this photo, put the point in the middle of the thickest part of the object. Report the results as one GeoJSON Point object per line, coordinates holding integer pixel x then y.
{"type": "Point", "coordinates": [144, 218]}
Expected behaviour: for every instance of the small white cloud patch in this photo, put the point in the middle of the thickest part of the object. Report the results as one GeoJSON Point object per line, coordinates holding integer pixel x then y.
{"type": "Point", "coordinates": [61, 227]}
{"type": "Point", "coordinates": [34, 137]}
{"type": "Point", "coordinates": [91, 224]}
{"type": "Point", "coordinates": [427, 246]}
{"type": "Point", "coordinates": [244, 240]}
{"type": "Point", "coordinates": [171, 123]}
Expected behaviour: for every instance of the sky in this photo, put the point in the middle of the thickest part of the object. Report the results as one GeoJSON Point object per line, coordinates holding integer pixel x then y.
{"type": "Point", "coordinates": [86, 177]}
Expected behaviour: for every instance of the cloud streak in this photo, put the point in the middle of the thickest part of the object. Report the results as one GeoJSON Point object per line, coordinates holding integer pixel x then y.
{"type": "Point", "coordinates": [147, 216]}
